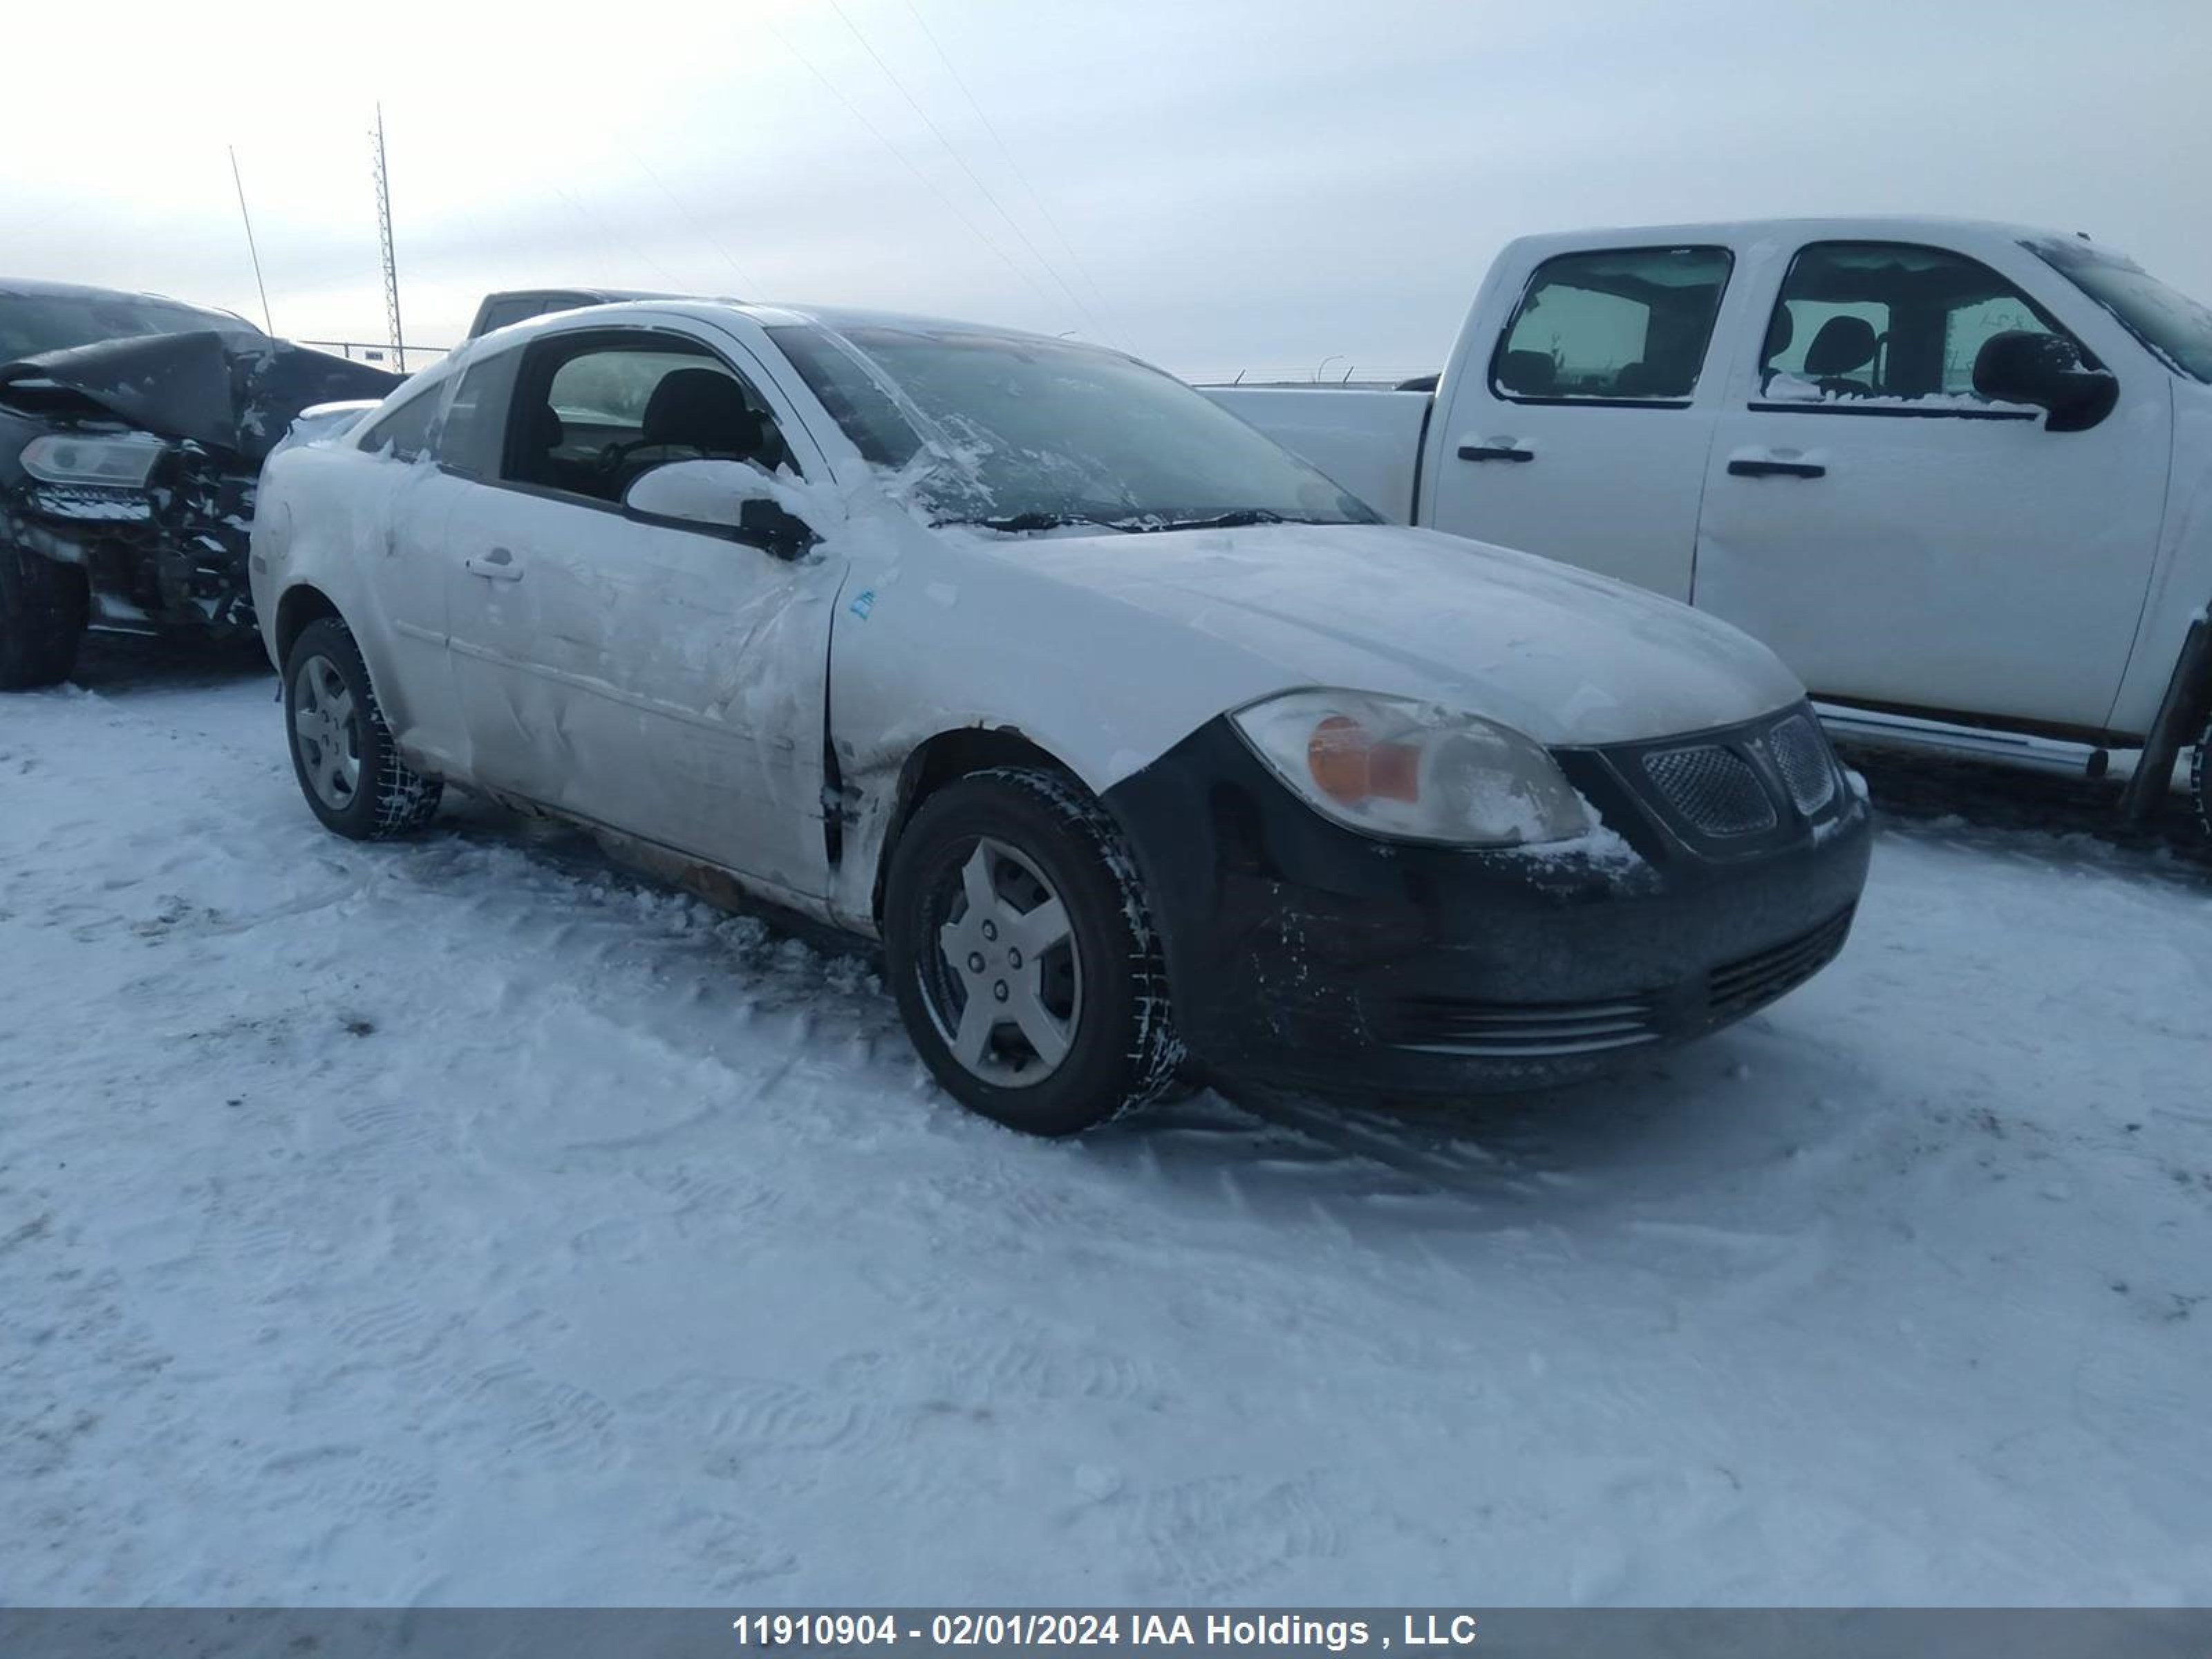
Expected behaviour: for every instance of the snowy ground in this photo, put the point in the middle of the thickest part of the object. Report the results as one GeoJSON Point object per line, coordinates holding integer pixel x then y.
{"type": "Point", "coordinates": [461, 1222]}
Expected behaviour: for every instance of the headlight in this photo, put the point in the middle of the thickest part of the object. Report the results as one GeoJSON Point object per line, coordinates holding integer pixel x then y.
{"type": "Point", "coordinates": [118, 463]}
{"type": "Point", "coordinates": [1414, 771]}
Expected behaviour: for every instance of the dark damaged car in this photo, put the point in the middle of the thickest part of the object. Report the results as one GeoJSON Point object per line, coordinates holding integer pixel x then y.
{"type": "Point", "coordinates": [132, 431]}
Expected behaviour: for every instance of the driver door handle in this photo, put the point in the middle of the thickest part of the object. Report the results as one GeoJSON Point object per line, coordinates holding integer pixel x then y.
{"type": "Point", "coordinates": [496, 566]}
{"type": "Point", "coordinates": [1505, 451]}
{"type": "Point", "coordinates": [1749, 469]}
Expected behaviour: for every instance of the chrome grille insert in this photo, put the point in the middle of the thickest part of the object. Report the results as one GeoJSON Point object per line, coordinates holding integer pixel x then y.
{"type": "Point", "coordinates": [1714, 789]}
{"type": "Point", "coordinates": [1801, 755]}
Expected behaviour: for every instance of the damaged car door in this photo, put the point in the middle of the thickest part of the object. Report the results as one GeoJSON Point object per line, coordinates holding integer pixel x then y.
{"type": "Point", "coordinates": [408, 506]}
{"type": "Point", "coordinates": [659, 675]}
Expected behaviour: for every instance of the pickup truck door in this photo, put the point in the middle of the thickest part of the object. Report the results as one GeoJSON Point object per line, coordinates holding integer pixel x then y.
{"type": "Point", "coordinates": [1901, 540]}
{"type": "Point", "coordinates": [658, 679]}
{"type": "Point", "coordinates": [1579, 429]}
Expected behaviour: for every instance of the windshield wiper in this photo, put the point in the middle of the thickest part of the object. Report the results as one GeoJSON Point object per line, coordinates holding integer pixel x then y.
{"type": "Point", "coordinates": [1231, 520]}
{"type": "Point", "coordinates": [1018, 521]}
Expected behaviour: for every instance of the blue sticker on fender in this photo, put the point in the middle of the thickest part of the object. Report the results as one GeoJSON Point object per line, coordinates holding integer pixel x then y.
{"type": "Point", "coordinates": [863, 602]}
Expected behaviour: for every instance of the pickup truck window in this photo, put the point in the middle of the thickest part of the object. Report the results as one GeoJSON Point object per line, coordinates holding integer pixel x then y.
{"type": "Point", "coordinates": [500, 312]}
{"type": "Point", "coordinates": [1035, 433]}
{"type": "Point", "coordinates": [2176, 328]}
{"type": "Point", "coordinates": [1615, 326]}
{"type": "Point", "coordinates": [1874, 327]}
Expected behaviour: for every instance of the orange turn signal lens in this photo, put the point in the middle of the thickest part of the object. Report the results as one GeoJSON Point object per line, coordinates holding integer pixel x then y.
{"type": "Point", "coordinates": [1350, 766]}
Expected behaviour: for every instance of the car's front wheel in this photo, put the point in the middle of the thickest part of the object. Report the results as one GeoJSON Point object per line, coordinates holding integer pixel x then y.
{"type": "Point", "coordinates": [348, 767]}
{"type": "Point", "coordinates": [1022, 953]}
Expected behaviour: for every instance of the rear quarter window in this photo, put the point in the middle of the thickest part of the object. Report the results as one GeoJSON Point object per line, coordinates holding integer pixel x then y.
{"type": "Point", "coordinates": [404, 434]}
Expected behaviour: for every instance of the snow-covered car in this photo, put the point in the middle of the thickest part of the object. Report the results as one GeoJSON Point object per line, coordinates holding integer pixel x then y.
{"type": "Point", "coordinates": [1958, 474]}
{"type": "Point", "coordinates": [1145, 752]}
{"type": "Point", "coordinates": [133, 429]}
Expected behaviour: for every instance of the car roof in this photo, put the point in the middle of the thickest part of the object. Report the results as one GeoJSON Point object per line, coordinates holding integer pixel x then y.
{"type": "Point", "coordinates": [32, 288]}
{"type": "Point", "coordinates": [1842, 227]}
{"type": "Point", "coordinates": [836, 319]}
{"type": "Point", "coordinates": [587, 289]}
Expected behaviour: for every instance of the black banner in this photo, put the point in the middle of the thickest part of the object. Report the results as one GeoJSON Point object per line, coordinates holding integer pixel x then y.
{"type": "Point", "coordinates": [944, 1633]}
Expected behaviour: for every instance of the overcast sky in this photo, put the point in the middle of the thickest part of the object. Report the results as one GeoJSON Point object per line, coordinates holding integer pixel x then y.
{"type": "Point", "coordinates": [1216, 184]}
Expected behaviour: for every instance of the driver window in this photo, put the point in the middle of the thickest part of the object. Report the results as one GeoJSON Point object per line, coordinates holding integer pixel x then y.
{"type": "Point", "coordinates": [1875, 321]}
{"type": "Point", "coordinates": [594, 414]}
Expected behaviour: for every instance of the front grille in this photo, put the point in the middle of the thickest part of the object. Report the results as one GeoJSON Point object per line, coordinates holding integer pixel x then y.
{"type": "Point", "coordinates": [1801, 755]}
{"type": "Point", "coordinates": [1739, 986]}
{"type": "Point", "coordinates": [1715, 790]}
{"type": "Point", "coordinates": [1515, 1030]}
{"type": "Point", "coordinates": [1552, 1030]}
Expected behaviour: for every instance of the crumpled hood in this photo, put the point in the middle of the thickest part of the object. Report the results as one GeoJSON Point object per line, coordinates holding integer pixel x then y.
{"type": "Point", "coordinates": [1564, 656]}
{"type": "Point", "coordinates": [236, 392]}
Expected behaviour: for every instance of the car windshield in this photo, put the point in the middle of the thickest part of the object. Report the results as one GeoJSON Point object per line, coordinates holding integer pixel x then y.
{"type": "Point", "coordinates": [1038, 434]}
{"type": "Point", "coordinates": [31, 323]}
{"type": "Point", "coordinates": [2176, 327]}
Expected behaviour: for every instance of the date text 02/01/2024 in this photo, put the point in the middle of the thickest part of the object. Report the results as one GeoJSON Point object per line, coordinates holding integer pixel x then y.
{"type": "Point", "coordinates": [1033, 1628]}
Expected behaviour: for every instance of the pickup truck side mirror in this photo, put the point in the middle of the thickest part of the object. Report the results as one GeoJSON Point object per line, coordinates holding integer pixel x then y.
{"type": "Point", "coordinates": [2022, 367]}
{"type": "Point", "coordinates": [729, 498]}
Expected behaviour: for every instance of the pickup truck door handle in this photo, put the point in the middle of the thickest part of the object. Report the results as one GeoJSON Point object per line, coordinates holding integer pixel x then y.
{"type": "Point", "coordinates": [1504, 452]}
{"type": "Point", "coordinates": [496, 566]}
{"type": "Point", "coordinates": [1777, 470]}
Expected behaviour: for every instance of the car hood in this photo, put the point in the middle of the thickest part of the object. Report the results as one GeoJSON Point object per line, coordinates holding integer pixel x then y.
{"type": "Point", "coordinates": [234, 393]}
{"type": "Point", "coordinates": [1567, 657]}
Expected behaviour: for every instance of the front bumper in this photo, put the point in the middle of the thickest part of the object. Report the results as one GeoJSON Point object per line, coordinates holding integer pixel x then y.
{"type": "Point", "coordinates": [1303, 953]}
{"type": "Point", "coordinates": [170, 557]}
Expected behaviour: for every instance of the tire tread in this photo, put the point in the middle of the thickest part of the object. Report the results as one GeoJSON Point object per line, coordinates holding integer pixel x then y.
{"type": "Point", "coordinates": [1153, 1062]}
{"type": "Point", "coordinates": [405, 800]}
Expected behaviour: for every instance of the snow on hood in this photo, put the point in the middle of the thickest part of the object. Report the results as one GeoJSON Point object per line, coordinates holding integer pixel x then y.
{"type": "Point", "coordinates": [1564, 656]}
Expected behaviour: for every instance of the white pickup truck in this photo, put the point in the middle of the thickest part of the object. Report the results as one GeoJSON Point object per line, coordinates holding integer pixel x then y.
{"type": "Point", "coordinates": [1959, 476]}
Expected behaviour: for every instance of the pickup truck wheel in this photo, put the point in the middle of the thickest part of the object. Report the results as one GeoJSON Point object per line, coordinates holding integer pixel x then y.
{"type": "Point", "coordinates": [1022, 956]}
{"type": "Point", "coordinates": [44, 608]}
{"type": "Point", "coordinates": [348, 766]}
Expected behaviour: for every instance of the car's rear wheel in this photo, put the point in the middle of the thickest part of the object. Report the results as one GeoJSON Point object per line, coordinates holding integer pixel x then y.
{"type": "Point", "coordinates": [1022, 954]}
{"type": "Point", "coordinates": [343, 753]}
{"type": "Point", "coordinates": [43, 609]}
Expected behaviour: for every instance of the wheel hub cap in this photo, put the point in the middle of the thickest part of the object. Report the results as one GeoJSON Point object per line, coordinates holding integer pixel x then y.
{"type": "Point", "coordinates": [326, 732]}
{"type": "Point", "coordinates": [1006, 993]}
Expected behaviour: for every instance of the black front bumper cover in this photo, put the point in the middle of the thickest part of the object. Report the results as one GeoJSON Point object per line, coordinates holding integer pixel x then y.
{"type": "Point", "coordinates": [1303, 953]}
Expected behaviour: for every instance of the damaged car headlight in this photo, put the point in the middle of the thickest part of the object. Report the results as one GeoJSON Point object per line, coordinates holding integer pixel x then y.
{"type": "Point", "coordinates": [118, 463]}
{"type": "Point", "coordinates": [1414, 771]}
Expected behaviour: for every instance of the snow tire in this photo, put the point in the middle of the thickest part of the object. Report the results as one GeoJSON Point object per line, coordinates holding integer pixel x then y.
{"type": "Point", "coordinates": [393, 800]}
{"type": "Point", "coordinates": [1122, 1050]}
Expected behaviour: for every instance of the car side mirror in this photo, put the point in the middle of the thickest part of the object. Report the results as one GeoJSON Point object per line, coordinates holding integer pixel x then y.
{"type": "Point", "coordinates": [775, 528]}
{"type": "Point", "coordinates": [729, 498]}
{"type": "Point", "coordinates": [2023, 367]}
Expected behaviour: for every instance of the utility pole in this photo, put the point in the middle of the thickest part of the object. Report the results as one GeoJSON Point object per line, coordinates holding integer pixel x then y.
{"type": "Point", "coordinates": [384, 239]}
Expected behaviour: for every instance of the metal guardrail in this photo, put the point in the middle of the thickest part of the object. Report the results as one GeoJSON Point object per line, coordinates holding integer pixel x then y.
{"type": "Point", "coordinates": [381, 352]}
